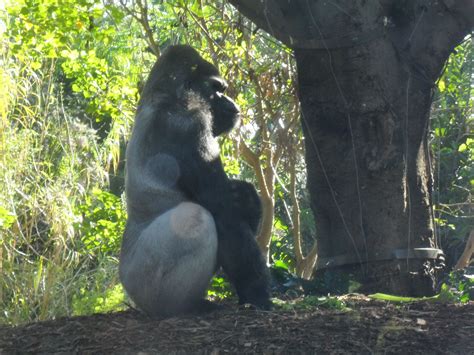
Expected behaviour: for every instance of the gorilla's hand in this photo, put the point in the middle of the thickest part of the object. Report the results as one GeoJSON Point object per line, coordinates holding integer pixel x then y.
{"type": "Point", "coordinates": [254, 294]}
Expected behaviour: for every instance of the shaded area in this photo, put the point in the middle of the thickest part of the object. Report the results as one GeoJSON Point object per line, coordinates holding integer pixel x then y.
{"type": "Point", "coordinates": [368, 327]}
{"type": "Point", "coordinates": [369, 169]}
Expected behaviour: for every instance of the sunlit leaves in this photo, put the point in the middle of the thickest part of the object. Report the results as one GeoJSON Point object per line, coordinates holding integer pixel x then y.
{"type": "Point", "coordinates": [468, 145]}
{"type": "Point", "coordinates": [102, 222]}
{"type": "Point", "coordinates": [441, 85]}
{"type": "Point", "coordinates": [7, 218]}
{"type": "Point", "coordinates": [453, 146]}
{"type": "Point", "coordinates": [63, 68]}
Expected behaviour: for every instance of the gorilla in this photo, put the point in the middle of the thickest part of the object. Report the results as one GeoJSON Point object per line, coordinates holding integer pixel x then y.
{"type": "Point", "coordinates": [186, 217]}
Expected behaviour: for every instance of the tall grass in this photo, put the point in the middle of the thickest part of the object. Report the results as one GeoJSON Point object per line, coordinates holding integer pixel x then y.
{"type": "Point", "coordinates": [49, 164]}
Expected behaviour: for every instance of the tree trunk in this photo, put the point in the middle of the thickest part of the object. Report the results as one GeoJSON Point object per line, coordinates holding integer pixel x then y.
{"type": "Point", "coordinates": [367, 70]}
{"type": "Point", "coordinates": [366, 152]}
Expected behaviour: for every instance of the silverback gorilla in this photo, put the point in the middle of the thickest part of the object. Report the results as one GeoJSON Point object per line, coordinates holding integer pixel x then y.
{"type": "Point", "coordinates": [186, 217]}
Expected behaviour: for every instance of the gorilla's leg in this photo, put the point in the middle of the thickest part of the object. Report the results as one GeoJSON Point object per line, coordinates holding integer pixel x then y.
{"type": "Point", "coordinates": [168, 269]}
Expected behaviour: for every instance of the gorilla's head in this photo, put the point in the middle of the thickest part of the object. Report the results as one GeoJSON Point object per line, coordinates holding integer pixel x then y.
{"type": "Point", "coordinates": [181, 72]}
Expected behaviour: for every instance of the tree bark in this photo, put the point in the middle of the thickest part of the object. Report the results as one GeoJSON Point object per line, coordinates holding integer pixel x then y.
{"type": "Point", "coordinates": [366, 76]}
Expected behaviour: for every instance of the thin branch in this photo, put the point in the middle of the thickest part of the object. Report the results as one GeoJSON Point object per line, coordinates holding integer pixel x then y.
{"type": "Point", "coordinates": [467, 254]}
{"type": "Point", "coordinates": [142, 18]}
{"type": "Point", "coordinates": [304, 265]}
{"type": "Point", "coordinates": [295, 215]}
{"type": "Point", "coordinates": [201, 23]}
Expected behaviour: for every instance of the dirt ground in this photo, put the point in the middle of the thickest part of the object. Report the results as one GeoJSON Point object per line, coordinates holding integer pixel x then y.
{"type": "Point", "coordinates": [367, 327]}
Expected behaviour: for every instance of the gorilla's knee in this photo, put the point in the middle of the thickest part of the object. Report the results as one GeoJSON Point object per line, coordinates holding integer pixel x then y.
{"type": "Point", "coordinates": [172, 262]}
{"type": "Point", "coordinates": [190, 220]}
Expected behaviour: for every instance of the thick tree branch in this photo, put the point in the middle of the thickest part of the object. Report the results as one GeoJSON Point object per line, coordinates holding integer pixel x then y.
{"type": "Point", "coordinates": [265, 182]}
{"type": "Point", "coordinates": [288, 21]}
{"type": "Point", "coordinates": [436, 29]}
{"type": "Point", "coordinates": [252, 159]}
{"type": "Point", "coordinates": [292, 23]}
{"type": "Point", "coordinates": [265, 14]}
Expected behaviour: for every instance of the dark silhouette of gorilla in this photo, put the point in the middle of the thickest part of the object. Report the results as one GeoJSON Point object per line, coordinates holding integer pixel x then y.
{"type": "Point", "coordinates": [186, 217]}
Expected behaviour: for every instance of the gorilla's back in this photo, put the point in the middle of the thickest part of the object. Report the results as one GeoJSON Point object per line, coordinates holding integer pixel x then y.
{"type": "Point", "coordinates": [151, 177]}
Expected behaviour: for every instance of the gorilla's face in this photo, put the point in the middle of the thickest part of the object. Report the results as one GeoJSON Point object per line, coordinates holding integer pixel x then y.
{"type": "Point", "coordinates": [224, 110]}
{"type": "Point", "coordinates": [207, 82]}
{"type": "Point", "coordinates": [180, 72]}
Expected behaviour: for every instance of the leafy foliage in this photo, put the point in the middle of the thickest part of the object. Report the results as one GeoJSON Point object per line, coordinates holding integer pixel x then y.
{"type": "Point", "coordinates": [53, 157]}
{"type": "Point", "coordinates": [312, 302]}
{"type": "Point", "coordinates": [88, 302]}
{"type": "Point", "coordinates": [102, 223]}
{"type": "Point", "coordinates": [220, 288]}
{"type": "Point", "coordinates": [460, 285]}
{"type": "Point", "coordinates": [453, 149]}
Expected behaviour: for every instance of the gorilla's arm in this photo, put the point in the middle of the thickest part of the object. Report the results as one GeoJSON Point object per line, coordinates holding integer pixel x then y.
{"type": "Point", "coordinates": [240, 257]}
{"type": "Point", "coordinates": [238, 251]}
{"type": "Point", "coordinates": [247, 201]}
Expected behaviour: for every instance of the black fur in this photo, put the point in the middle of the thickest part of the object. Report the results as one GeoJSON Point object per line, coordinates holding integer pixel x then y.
{"type": "Point", "coordinates": [172, 161]}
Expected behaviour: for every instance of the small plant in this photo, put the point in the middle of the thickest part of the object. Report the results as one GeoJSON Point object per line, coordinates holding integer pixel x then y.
{"type": "Point", "coordinates": [220, 289]}
{"type": "Point", "coordinates": [6, 218]}
{"type": "Point", "coordinates": [102, 223]}
{"type": "Point", "coordinates": [458, 288]}
{"type": "Point", "coordinates": [326, 302]}
{"type": "Point", "coordinates": [312, 302]}
{"type": "Point", "coordinates": [460, 285]}
{"type": "Point", "coordinates": [89, 302]}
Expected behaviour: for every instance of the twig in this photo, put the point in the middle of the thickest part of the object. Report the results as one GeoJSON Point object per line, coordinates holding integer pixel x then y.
{"type": "Point", "coordinates": [142, 18]}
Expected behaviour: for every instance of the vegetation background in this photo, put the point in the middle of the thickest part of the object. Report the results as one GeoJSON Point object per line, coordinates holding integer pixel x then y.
{"type": "Point", "coordinates": [71, 74]}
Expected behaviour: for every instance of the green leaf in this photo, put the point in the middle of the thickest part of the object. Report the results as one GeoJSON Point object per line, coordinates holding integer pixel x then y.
{"type": "Point", "coordinates": [35, 65]}
{"type": "Point", "coordinates": [6, 218]}
{"type": "Point", "coordinates": [280, 264]}
{"type": "Point", "coordinates": [393, 298]}
{"type": "Point", "coordinates": [462, 147]}
{"type": "Point", "coordinates": [441, 85]}
{"type": "Point", "coordinates": [39, 274]}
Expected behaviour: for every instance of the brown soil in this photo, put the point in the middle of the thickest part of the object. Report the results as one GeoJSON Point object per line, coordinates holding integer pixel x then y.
{"type": "Point", "coordinates": [368, 327]}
